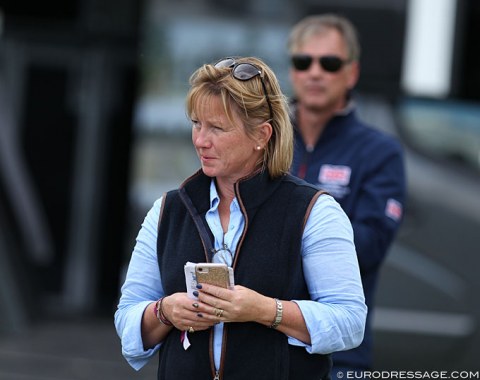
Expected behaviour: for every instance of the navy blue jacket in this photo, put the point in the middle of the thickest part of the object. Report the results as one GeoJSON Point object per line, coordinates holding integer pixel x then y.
{"type": "Point", "coordinates": [363, 169]}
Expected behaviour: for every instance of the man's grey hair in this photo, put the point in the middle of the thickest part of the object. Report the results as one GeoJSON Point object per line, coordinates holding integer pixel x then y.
{"type": "Point", "coordinates": [318, 24]}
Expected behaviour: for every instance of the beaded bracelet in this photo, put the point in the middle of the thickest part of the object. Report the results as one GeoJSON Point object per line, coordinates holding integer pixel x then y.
{"type": "Point", "coordinates": [159, 313]}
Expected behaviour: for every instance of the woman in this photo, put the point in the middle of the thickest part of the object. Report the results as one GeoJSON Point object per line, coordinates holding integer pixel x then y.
{"type": "Point", "coordinates": [298, 295]}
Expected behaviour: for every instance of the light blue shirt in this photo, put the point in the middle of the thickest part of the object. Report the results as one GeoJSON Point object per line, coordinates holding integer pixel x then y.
{"type": "Point", "coordinates": [335, 315]}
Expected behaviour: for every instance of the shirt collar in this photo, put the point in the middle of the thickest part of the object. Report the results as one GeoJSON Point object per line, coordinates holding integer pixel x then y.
{"type": "Point", "coordinates": [215, 199]}
{"type": "Point", "coordinates": [349, 107]}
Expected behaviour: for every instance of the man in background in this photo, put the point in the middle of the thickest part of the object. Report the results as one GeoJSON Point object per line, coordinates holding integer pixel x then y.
{"type": "Point", "coordinates": [357, 164]}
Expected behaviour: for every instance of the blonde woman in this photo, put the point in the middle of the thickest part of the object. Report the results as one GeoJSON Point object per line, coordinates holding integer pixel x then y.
{"type": "Point", "coordinates": [298, 295]}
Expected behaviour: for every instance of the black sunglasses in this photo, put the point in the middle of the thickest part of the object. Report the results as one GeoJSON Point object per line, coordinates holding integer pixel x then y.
{"type": "Point", "coordinates": [245, 71]}
{"type": "Point", "coordinates": [330, 63]}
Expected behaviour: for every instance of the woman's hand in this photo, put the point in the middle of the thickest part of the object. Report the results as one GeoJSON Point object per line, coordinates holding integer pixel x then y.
{"type": "Point", "coordinates": [184, 313]}
{"type": "Point", "coordinates": [181, 311]}
{"type": "Point", "coordinates": [242, 304]}
{"type": "Point", "coordinates": [237, 305]}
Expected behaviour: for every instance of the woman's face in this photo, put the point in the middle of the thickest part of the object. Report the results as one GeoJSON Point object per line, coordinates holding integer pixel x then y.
{"type": "Point", "coordinates": [225, 151]}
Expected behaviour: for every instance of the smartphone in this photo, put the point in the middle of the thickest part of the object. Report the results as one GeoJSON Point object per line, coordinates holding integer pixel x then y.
{"type": "Point", "coordinates": [213, 273]}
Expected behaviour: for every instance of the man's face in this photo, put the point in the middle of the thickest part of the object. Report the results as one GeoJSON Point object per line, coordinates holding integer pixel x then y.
{"type": "Point", "coordinates": [316, 88]}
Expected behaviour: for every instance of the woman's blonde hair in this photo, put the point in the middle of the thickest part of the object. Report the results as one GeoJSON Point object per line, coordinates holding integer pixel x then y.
{"type": "Point", "coordinates": [248, 101]}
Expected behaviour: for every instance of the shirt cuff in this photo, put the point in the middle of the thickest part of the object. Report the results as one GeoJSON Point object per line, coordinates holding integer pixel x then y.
{"type": "Point", "coordinates": [132, 343]}
{"type": "Point", "coordinates": [324, 336]}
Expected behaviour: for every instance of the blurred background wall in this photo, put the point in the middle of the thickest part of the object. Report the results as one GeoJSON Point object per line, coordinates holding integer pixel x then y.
{"type": "Point", "coordinates": [68, 79]}
{"type": "Point", "coordinates": [93, 130]}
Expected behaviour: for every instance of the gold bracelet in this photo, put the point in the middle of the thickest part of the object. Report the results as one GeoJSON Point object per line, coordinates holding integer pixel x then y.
{"type": "Point", "coordinates": [278, 316]}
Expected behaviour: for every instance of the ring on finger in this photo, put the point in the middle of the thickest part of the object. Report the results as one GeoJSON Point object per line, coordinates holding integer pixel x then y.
{"type": "Point", "coordinates": [191, 330]}
{"type": "Point", "coordinates": [218, 312]}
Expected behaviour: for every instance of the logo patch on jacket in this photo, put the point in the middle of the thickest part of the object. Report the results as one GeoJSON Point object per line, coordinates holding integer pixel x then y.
{"type": "Point", "coordinates": [394, 209]}
{"type": "Point", "coordinates": [335, 174]}
{"type": "Point", "coordinates": [335, 179]}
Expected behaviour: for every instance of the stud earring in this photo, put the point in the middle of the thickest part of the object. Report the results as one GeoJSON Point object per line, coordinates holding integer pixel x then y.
{"type": "Point", "coordinates": [259, 147]}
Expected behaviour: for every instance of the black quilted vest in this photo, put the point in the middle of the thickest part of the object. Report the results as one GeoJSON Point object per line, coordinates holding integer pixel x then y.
{"type": "Point", "coordinates": [267, 260]}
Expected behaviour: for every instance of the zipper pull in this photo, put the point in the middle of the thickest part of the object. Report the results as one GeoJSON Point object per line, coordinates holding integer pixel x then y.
{"type": "Point", "coordinates": [217, 376]}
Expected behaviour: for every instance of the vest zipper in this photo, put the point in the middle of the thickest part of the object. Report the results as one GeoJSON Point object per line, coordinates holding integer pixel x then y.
{"type": "Point", "coordinates": [218, 371]}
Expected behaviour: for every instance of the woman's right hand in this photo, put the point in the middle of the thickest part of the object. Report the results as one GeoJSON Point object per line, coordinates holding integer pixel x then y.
{"type": "Point", "coordinates": [185, 313]}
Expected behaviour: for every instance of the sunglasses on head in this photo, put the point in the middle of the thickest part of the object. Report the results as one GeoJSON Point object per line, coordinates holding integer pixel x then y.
{"type": "Point", "coordinates": [245, 71]}
{"type": "Point", "coordinates": [330, 63]}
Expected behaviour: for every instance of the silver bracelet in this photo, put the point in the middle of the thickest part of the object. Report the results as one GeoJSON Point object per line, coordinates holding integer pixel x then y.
{"type": "Point", "coordinates": [278, 316]}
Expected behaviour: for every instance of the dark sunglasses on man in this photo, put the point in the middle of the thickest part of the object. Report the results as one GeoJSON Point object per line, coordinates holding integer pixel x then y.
{"type": "Point", "coordinates": [330, 63]}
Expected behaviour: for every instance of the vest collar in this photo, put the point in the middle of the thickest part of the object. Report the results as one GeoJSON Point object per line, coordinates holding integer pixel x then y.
{"type": "Point", "coordinates": [251, 191]}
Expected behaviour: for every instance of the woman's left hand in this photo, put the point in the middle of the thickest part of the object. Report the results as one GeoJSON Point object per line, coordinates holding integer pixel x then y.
{"type": "Point", "coordinates": [240, 304]}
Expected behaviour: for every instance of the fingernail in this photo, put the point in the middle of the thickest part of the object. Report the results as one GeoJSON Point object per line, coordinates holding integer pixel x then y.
{"type": "Point", "coordinates": [199, 315]}
{"type": "Point", "coordinates": [195, 293]}
{"type": "Point", "coordinates": [199, 286]}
